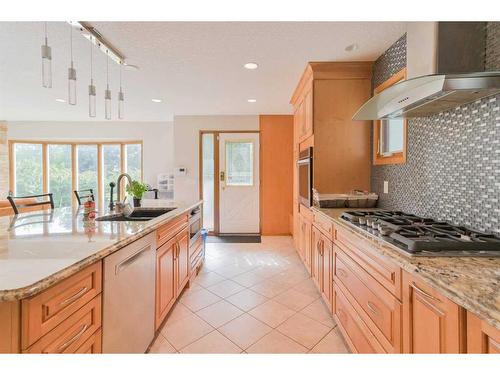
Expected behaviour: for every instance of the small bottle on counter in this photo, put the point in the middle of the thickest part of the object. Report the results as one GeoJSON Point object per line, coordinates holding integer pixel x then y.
{"type": "Point", "coordinates": [89, 212]}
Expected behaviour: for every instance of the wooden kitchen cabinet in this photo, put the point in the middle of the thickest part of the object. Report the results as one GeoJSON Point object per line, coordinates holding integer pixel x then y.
{"type": "Point", "coordinates": [354, 330]}
{"type": "Point", "coordinates": [305, 237]}
{"type": "Point", "coordinates": [326, 97]}
{"type": "Point", "coordinates": [315, 256]}
{"type": "Point", "coordinates": [172, 267]}
{"type": "Point", "coordinates": [431, 322]}
{"type": "Point", "coordinates": [166, 291]}
{"type": "Point", "coordinates": [43, 312]}
{"type": "Point", "coordinates": [482, 338]}
{"type": "Point", "coordinates": [377, 307]}
{"type": "Point", "coordinates": [321, 249]}
{"type": "Point", "coordinates": [307, 117]}
{"type": "Point", "coordinates": [182, 260]}
{"type": "Point", "coordinates": [73, 333]}
{"type": "Point", "coordinates": [325, 265]}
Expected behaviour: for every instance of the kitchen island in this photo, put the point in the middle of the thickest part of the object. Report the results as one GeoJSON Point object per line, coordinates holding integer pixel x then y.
{"type": "Point", "coordinates": [51, 264]}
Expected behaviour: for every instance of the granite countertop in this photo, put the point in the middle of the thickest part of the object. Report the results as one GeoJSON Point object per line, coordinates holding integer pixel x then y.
{"type": "Point", "coordinates": [471, 282]}
{"type": "Point", "coordinates": [39, 249]}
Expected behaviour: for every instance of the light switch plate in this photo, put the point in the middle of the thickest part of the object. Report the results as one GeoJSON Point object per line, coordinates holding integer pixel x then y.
{"type": "Point", "coordinates": [386, 187]}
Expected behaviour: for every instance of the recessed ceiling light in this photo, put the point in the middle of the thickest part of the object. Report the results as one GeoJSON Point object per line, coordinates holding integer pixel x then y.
{"type": "Point", "coordinates": [60, 100]}
{"type": "Point", "coordinates": [130, 67]}
{"type": "Point", "coordinates": [156, 100]}
{"type": "Point", "coordinates": [352, 47]}
{"type": "Point", "coordinates": [251, 65]}
{"type": "Point", "coordinates": [251, 100]}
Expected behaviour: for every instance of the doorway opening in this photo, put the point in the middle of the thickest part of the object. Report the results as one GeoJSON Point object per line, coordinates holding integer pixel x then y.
{"type": "Point", "coordinates": [229, 182]}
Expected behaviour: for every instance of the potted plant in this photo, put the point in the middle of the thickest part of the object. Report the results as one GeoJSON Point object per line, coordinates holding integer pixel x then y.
{"type": "Point", "coordinates": [137, 189]}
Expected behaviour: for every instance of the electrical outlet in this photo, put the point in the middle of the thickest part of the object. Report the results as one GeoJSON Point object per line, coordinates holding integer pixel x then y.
{"type": "Point", "coordinates": [386, 187]}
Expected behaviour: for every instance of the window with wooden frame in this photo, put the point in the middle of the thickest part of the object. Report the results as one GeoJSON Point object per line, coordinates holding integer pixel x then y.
{"type": "Point", "coordinates": [389, 136]}
{"type": "Point", "coordinates": [60, 167]}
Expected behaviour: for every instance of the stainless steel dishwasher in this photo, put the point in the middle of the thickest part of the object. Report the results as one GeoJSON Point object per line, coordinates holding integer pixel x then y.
{"type": "Point", "coordinates": [129, 297]}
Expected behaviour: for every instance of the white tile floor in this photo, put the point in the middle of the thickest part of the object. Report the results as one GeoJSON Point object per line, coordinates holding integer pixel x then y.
{"type": "Point", "coordinates": [250, 298]}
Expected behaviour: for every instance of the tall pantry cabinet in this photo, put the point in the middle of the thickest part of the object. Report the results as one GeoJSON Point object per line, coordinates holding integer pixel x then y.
{"type": "Point", "coordinates": [327, 96]}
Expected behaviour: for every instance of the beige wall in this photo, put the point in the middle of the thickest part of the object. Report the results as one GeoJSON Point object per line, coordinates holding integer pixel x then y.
{"type": "Point", "coordinates": [4, 161]}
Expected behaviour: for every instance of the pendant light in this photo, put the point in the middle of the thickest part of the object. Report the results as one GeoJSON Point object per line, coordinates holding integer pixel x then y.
{"type": "Point", "coordinates": [46, 63]}
{"type": "Point", "coordinates": [121, 98]}
{"type": "Point", "coordinates": [71, 72]}
{"type": "Point", "coordinates": [107, 92]}
{"type": "Point", "coordinates": [92, 91]}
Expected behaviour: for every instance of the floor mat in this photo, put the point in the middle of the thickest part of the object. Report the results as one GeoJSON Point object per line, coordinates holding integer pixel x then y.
{"type": "Point", "coordinates": [234, 239]}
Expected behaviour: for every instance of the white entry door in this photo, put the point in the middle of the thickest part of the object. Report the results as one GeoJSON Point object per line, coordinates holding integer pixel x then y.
{"type": "Point", "coordinates": [239, 183]}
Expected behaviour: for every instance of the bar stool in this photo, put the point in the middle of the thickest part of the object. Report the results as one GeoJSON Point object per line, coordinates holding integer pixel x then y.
{"type": "Point", "coordinates": [83, 195]}
{"type": "Point", "coordinates": [29, 202]}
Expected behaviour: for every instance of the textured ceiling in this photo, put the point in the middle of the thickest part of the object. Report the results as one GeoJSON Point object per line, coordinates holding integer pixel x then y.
{"type": "Point", "coordinates": [196, 68]}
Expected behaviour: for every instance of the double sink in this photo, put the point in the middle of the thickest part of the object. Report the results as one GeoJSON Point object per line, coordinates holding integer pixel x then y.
{"type": "Point", "coordinates": [136, 214]}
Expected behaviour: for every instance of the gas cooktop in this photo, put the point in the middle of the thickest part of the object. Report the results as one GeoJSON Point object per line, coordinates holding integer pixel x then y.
{"type": "Point", "coordinates": [419, 236]}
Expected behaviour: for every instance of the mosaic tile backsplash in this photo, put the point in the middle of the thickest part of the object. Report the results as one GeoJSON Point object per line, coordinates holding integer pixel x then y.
{"type": "Point", "coordinates": [452, 171]}
{"type": "Point", "coordinates": [390, 62]}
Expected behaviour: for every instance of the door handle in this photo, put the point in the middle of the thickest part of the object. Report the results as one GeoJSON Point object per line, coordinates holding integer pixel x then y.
{"type": "Point", "coordinates": [176, 251]}
{"type": "Point", "coordinates": [222, 176]}
{"type": "Point", "coordinates": [131, 259]}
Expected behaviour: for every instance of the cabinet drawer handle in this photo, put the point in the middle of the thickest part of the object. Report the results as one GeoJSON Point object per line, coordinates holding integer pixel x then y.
{"type": "Point", "coordinates": [425, 294]}
{"type": "Point", "coordinates": [372, 308]}
{"type": "Point", "coordinates": [74, 297]}
{"type": "Point", "coordinates": [73, 339]}
{"type": "Point", "coordinates": [341, 272]}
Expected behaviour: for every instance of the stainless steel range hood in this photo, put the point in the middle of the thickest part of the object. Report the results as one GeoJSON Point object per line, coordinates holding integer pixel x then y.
{"type": "Point", "coordinates": [457, 54]}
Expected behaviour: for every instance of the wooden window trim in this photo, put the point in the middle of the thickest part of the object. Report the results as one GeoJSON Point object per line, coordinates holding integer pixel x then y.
{"type": "Point", "coordinates": [74, 179]}
{"type": "Point", "coordinates": [398, 157]}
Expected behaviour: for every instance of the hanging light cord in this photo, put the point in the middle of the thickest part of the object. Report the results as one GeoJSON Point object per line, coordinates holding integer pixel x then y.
{"type": "Point", "coordinates": [71, 42]}
{"type": "Point", "coordinates": [91, 70]}
{"type": "Point", "coordinates": [120, 77]}
{"type": "Point", "coordinates": [107, 68]}
{"type": "Point", "coordinates": [45, 27]}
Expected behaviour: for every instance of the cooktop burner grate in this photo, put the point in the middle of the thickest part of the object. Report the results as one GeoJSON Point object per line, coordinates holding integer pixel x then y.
{"type": "Point", "coordinates": [415, 234]}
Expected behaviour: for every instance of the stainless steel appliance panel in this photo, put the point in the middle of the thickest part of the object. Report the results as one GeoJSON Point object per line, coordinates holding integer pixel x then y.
{"type": "Point", "coordinates": [129, 297]}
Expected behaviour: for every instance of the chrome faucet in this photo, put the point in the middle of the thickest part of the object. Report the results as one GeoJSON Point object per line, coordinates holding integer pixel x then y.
{"type": "Point", "coordinates": [118, 187]}
{"type": "Point", "coordinates": [119, 204]}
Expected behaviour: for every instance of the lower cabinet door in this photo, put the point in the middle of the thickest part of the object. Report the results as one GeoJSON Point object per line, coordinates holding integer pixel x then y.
{"type": "Point", "coordinates": [165, 280]}
{"type": "Point", "coordinates": [431, 323]}
{"type": "Point", "coordinates": [326, 271]}
{"type": "Point", "coordinates": [182, 260]}
{"type": "Point", "coordinates": [307, 245]}
{"type": "Point", "coordinates": [482, 338]}
{"type": "Point", "coordinates": [302, 239]}
{"type": "Point", "coordinates": [316, 258]}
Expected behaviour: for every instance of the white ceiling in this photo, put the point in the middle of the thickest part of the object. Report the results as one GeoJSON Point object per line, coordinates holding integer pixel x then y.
{"type": "Point", "coordinates": [196, 68]}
